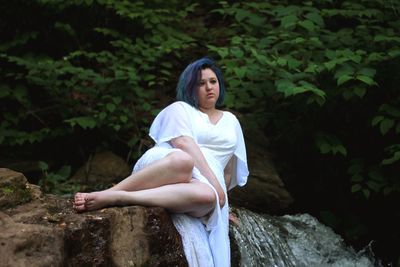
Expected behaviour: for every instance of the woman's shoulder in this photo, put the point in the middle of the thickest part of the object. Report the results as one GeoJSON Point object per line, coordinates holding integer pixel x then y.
{"type": "Point", "coordinates": [232, 119]}
{"type": "Point", "coordinates": [230, 115]}
{"type": "Point", "coordinates": [180, 104]}
{"type": "Point", "coordinates": [177, 108]}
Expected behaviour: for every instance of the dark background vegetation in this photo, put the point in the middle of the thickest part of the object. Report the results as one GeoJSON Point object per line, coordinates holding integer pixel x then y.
{"type": "Point", "coordinates": [320, 78]}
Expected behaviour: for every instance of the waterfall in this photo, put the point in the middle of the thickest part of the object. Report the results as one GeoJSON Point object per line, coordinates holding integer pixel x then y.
{"type": "Point", "coordinates": [291, 241]}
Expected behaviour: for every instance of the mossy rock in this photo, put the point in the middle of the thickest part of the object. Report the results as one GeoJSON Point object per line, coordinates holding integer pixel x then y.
{"type": "Point", "coordinates": [14, 189]}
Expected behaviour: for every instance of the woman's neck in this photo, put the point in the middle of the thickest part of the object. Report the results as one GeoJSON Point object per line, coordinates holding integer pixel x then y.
{"type": "Point", "coordinates": [209, 111]}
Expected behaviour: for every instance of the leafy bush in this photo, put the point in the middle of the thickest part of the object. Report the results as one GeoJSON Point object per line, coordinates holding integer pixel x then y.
{"type": "Point", "coordinates": [103, 75]}
{"type": "Point", "coordinates": [57, 183]}
{"type": "Point", "coordinates": [305, 67]}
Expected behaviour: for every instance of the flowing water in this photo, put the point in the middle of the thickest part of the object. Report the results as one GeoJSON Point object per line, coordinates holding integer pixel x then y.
{"type": "Point", "coordinates": [293, 240]}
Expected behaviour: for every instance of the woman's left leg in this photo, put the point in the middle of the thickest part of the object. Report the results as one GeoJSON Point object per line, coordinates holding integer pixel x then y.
{"type": "Point", "coordinates": [194, 198]}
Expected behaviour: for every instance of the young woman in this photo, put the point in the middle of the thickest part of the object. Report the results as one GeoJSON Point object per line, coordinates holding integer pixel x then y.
{"type": "Point", "coordinates": [199, 154]}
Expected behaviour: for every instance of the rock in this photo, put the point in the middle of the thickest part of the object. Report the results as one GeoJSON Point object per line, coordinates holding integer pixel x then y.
{"type": "Point", "coordinates": [153, 234]}
{"type": "Point", "coordinates": [13, 188]}
{"type": "Point", "coordinates": [264, 191]}
{"type": "Point", "coordinates": [46, 232]}
{"type": "Point", "coordinates": [25, 244]}
{"type": "Point", "coordinates": [104, 168]}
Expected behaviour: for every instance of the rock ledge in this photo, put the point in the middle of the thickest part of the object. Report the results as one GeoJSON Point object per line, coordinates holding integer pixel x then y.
{"type": "Point", "coordinates": [43, 230]}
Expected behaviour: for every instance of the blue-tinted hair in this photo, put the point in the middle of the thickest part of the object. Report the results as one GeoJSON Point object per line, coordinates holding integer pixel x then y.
{"type": "Point", "coordinates": [189, 80]}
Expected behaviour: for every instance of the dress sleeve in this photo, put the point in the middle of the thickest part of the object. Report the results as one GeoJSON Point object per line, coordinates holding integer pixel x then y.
{"type": "Point", "coordinates": [173, 121]}
{"type": "Point", "coordinates": [240, 169]}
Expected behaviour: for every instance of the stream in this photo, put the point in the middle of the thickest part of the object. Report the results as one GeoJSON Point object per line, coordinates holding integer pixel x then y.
{"type": "Point", "coordinates": [293, 241]}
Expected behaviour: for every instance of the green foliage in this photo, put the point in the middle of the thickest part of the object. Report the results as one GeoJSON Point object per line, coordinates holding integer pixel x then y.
{"type": "Point", "coordinates": [389, 118]}
{"type": "Point", "coordinates": [7, 190]}
{"type": "Point", "coordinates": [105, 80]}
{"type": "Point", "coordinates": [108, 76]}
{"type": "Point", "coordinates": [56, 182]}
{"type": "Point", "coordinates": [330, 144]}
{"type": "Point", "coordinates": [367, 180]}
{"type": "Point", "coordinates": [279, 54]}
{"type": "Point", "coordinates": [394, 154]}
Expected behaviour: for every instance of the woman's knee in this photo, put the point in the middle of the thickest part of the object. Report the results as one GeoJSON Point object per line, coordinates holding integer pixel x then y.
{"type": "Point", "coordinates": [181, 162]}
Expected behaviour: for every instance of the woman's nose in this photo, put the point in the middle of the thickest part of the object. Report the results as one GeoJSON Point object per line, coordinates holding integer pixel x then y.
{"type": "Point", "coordinates": [208, 85]}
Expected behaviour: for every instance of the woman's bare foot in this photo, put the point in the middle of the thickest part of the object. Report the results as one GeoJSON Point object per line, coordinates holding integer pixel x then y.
{"type": "Point", "coordinates": [96, 200]}
{"type": "Point", "coordinates": [79, 201]}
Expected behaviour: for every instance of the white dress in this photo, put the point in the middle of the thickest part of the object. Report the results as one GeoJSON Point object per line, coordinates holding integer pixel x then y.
{"type": "Point", "coordinates": [205, 240]}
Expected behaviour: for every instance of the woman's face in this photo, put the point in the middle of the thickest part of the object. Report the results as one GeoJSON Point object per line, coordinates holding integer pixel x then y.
{"type": "Point", "coordinates": [208, 91]}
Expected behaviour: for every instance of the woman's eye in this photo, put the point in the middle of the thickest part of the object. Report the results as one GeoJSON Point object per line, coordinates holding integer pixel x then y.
{"type": "Point", "coordinates": [213, 81]}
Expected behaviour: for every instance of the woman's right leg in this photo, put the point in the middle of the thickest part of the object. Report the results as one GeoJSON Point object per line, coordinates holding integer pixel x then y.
{"type": "Point", "coordinates": [174, 168]}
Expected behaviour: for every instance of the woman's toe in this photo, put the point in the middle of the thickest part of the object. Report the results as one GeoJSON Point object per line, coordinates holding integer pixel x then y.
{"type": "Point", "coordinates": [79, 207]}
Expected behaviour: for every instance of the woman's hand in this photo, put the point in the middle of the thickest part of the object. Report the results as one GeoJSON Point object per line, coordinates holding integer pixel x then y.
{"type": "Point", "coordinates": [221, 194]}
{"type": "Point", "coordinates": [234, 219]}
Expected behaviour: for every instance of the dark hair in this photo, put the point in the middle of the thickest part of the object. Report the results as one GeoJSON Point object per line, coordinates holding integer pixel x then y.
{"type": "Point", "coordinates": [189, 80]}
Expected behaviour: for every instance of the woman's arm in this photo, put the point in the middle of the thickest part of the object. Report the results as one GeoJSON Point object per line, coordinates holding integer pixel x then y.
{"type": "Point", "coordinates": [188, 145]}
